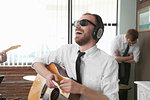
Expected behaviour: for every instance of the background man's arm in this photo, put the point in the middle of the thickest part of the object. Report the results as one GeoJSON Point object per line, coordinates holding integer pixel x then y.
{"type": "Point", "coordinates": [128, 59]}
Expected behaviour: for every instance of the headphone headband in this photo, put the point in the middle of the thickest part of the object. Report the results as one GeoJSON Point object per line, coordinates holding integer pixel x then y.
{"type": "Point", "coordinates": [99, 21]}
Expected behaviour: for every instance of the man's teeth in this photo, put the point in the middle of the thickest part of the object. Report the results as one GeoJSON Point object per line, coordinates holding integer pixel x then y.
{"type": "Point", "coordinates": [79, 32]}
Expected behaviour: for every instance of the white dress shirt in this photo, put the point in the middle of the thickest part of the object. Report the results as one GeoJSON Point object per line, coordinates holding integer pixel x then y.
{"type": "Point", "coordinates": [119, 43]}
{"type": "Point", "coordinates": [99, 71]}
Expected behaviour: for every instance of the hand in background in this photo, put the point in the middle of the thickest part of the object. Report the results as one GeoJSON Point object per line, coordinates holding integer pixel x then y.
{"type": "Point", "coordinates": [131, 56]}
{"type": "Point", "coordinates": [3, 57]}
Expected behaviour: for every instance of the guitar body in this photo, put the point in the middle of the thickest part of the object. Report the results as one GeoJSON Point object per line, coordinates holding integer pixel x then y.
{"type": "Point", "coordinates": [39, 90]}
{"type": "Point", "coordinates": [36, 88]}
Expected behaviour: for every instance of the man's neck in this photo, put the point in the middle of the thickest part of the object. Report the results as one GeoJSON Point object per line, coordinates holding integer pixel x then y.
{"type": "Point", "coordinates": [86, 46]}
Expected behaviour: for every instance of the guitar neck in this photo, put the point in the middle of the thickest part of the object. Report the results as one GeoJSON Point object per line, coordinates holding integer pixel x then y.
{"type": "Point", "coordinates": [11, 48]}
{"type": "Point", "coordinates": [6, 50]}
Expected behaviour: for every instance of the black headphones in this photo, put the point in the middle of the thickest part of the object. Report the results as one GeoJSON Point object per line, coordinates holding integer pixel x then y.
{"type": "Point", "coordinates": [99, 29]}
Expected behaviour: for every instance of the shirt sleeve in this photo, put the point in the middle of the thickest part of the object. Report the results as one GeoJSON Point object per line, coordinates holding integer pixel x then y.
{"type": "Point", "coordinates": [53, 56]}
{"type": "Point", "coordinates": [136, 54]}
{"type": "Point", "coordinates": [110, 81]}
{"type": "Point", "coordinates": [114, 47]}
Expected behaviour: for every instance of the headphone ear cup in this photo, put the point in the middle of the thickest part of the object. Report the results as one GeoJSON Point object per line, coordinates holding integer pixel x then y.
{"type": "Point", "coordinates": [98, 32]}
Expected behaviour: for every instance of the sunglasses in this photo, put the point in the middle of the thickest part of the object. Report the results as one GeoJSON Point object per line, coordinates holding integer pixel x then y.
{"type": "Point", "coordinates": [83, 22]}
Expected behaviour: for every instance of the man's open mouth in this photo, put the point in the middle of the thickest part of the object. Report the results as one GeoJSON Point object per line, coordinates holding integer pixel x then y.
{"type": "Point", "coordinates": [78, 32]}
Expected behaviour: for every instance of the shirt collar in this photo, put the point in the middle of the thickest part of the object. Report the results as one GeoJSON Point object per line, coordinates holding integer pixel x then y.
{"type": "Point", "coordinates": [89, 51]}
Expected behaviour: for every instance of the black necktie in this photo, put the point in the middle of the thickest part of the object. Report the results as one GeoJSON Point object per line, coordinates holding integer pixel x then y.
{"type": "Point", "coordinates": [78, 62]}
{"type": "Point", "coordinates": [126, 51]}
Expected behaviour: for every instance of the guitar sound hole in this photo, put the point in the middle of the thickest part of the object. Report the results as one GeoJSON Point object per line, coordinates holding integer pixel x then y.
{"type": "Point", "coordinates": [55, 94]}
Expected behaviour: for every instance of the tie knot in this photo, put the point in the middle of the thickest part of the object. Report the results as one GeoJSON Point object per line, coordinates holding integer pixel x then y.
{"type": "Point", "coordinates": [80, 53]}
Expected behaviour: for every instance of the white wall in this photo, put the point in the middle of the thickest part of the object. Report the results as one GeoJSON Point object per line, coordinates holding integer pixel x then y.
{"type": "Point", "coordinates": [127, 20]}
{"type": "Point", "coordinates": [126, 15]}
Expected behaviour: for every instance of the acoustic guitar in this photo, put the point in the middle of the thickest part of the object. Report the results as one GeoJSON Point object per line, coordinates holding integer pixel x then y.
{"type": "Point", "coordinates": [11, 48]}
{"type": "Point", "coordinates": [39, 90]}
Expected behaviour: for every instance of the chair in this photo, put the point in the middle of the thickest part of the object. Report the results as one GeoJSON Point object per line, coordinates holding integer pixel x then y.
{"type": "Point", "coordinates": [123, 91]}
{"type": "Point", "coordinates": [1, 78]}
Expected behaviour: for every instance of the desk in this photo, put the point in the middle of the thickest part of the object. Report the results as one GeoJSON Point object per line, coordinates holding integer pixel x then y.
{"type": "Point", "coordinates": [143, 90]}
{"type": "Point", "coordinates": [29, 77]}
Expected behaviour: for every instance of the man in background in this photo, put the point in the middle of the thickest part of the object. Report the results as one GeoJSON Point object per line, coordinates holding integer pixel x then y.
{"type": "Point", "coordinates": [125, 49]}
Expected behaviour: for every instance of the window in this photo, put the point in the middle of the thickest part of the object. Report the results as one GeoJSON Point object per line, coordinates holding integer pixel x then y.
{"type": "Point", "coordinates": [37, 25]}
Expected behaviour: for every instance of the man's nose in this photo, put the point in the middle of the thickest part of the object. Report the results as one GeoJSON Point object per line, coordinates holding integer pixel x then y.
{"type": "Point", "coordinates": [78, 25]}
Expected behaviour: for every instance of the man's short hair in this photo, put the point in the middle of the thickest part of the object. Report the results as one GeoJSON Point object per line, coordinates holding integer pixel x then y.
{"type": "Point", "coordinates": [132, 34]}
{"type": "Point", "coordinates": [97, 21]}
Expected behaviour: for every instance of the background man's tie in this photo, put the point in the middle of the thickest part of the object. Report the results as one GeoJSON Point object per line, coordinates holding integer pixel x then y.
{"type": "Point", "coordinates": [126, 51]}
{"type": "Point", "coordinates": [78, 62]}
{"type": "Point", "coordinates": [124, 68]}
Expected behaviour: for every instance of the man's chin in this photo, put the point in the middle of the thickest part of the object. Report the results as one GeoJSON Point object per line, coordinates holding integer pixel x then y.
{"type": "Point", "coordinates": [77, 41]}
